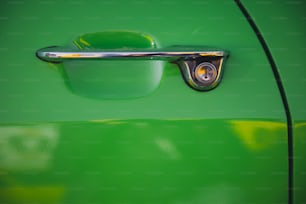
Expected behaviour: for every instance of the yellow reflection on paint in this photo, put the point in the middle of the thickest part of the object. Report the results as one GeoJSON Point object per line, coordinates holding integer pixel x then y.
{"type": "Point", "coordinates": [299, 134]}
{"type": "Point", "coordinates": [30, 194]}
{"type": "Point", "coordinates": [300, 124]}
{"type": "Point", "coordinates": [258, 135]}
{"type": "Point", "coordinates": [81, 40]}
{"type": "Point", "coordinates": [84, 42]}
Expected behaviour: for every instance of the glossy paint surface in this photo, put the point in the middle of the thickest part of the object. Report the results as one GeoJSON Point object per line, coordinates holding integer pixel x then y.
{"type": "Point", "coordinates": [284, 29]}
{"type": "Point", "coordinates": [175, 145]}
{"type": "Point", "coordinates": [144, 161]}
{"type": "Point", "coordinates": [112, 79]}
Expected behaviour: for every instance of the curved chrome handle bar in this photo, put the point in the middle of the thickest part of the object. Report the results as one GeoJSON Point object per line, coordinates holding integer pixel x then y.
{"type": "Point", "coordinates": [201, 68]}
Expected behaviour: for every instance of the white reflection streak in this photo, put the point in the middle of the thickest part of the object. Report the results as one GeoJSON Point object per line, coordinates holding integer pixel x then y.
{"type": "Point", "coordinates": [27, 147]}
{"type": "Point", "coordinates": [167, 147]}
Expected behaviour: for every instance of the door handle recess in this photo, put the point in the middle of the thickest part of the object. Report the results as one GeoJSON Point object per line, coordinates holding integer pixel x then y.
{"type": "Point", "coordinates": [201, 68]}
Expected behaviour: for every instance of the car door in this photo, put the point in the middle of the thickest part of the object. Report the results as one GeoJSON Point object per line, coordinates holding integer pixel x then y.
{"type": "Point", "coordinates": [169, 144]}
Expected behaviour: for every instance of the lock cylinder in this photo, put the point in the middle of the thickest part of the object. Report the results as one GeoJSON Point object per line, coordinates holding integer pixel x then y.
{"type": "Point", "coordinates": [206, 73]}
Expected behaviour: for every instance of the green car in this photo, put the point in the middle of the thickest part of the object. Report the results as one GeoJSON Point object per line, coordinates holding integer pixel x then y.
{"type": "Point", "coordinates": [152, 102]}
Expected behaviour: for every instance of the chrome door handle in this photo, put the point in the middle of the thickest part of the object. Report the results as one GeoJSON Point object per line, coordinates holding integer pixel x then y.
{"type": "Point", "coordinates": [201, 68]}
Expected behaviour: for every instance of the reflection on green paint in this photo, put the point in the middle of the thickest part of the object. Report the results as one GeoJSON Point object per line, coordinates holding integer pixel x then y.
{"type": "Point", "coordinates": [32, 194]}
{"type": "Point", "coordinates": [299, 139]}
{"type": "Point", "coordinates": [27, 147]}
{"type": "Point", "coordinates": [150, 161]}
{"type": "Point", "coordinates": [253, 134]}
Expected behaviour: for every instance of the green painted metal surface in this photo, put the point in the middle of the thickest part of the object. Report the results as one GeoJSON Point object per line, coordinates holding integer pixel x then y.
{"type": "Point", "coordinates": [175, 145]}
{"type": "Point", "coordinates": [145, 161]}
{"type": "Point", "coordinates": [284, 29]}
{"type": "Point", "coordinates": [112, 79]}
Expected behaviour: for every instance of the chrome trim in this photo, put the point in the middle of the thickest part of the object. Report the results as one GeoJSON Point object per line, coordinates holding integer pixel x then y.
{"type": "Point", "coordinates": [187, 59]}
{"type": "Point", "coordinates": [55, 54]}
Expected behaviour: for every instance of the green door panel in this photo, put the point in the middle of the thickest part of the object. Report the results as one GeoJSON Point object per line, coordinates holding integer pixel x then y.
{"type": "Point", "coordinates": [174, 145]}
{"type": "Point", "coordinates": [284, 29]}
{"type": "Point", "coordinates": [145, 161]}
